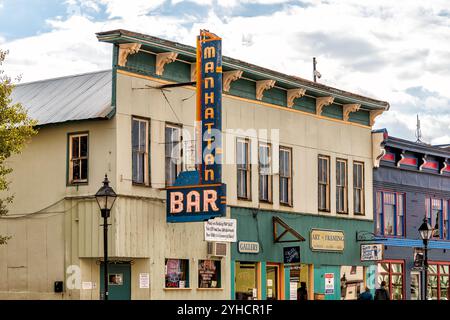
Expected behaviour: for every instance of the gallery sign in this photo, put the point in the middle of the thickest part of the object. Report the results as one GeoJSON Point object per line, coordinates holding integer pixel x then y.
{"type": "Point", "coordinates": [200, 195]}
{"type": "Point", "coordinates": [372, 252]}
{"type": "Point", "coordinates": [248, 247]}
{"type": "Point", "coordinates": [220, 230]}
{"type": "Point", "coordinates": [327, 240]}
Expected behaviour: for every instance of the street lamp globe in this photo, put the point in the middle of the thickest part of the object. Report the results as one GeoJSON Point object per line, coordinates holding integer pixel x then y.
{"type": "Point", "coordinates": [425, 230]}
{"type": "Point", "coordinates": [105, 197]}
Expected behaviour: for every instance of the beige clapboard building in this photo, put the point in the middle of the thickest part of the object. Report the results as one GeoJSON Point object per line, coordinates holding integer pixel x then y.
{"type": "Point", "coordinates": [134, 125]}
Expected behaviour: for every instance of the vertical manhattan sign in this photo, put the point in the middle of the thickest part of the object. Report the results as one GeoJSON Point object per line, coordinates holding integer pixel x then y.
{"type": "Point", "coordinates": [200, 195]}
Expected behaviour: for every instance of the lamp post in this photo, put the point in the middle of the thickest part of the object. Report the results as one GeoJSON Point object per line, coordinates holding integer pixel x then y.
{"type": "Point", "coordinates": [105, 197]}
{"type": "Point", "coordinates": [425, 232]}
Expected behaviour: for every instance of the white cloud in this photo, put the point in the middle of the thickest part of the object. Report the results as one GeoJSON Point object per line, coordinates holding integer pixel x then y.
{"type": "Point", "coordinates": [378, 49]}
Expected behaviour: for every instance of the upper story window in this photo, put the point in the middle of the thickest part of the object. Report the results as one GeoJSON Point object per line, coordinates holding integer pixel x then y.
{"type": "Point", "coordinates": [390, 212]}
{"type": "Point", "coordinates": [140, 154]}
{"type": "Point", "coordinates": [173, 153]}
{"type": "Point", "coordinates": [341, 186]}
{"type": "Point", "coordinates": [243, 168]}
{"type": "Point", "coordinates": [265, 173]}
{"type": "Point", "coordinates": [78, 158]}
{"type": "Point", "coordinates": [324, 183]}
{"type": "Point", "coordinates": [285, 159]}
{"type": "Point", "coordinates": [358, 187]}
{"type": "Point", "coordinates": [436, 211]}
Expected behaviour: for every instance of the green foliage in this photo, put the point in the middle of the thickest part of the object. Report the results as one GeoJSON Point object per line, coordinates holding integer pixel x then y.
{"type": "Point", "coordinates": [16, 128]}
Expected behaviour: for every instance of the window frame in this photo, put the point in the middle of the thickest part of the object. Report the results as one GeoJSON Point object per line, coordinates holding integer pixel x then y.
{"type": "Point", "coordinates": [219, 274]}
{"type": "Point", "coordinates": [438, 274]}
{"type": "Point", "coordinates": [147, 166]}
{"type": "Point", "coordinates": [345, 186]}
{"type": "Point", "coordinates": [187, 281]}
{"type": "Point", "coordinates": [328, 200]}
{"type": "Point", "coordinates": [444, 211]}
{"type": "Point", "coordinates": [382, 225]}
{"type": "Point", "coordinates": [270, 175]}
{"type": "Point", "coordinates": [179, 167]}
{"type": "Point", "coordinates": [248, 169]}
{"type": "Point", "coordinates": [391, 273]}
{"type": "Point", "coordinates": [290, 202]}
{"type": "Point", "coordinates": [69, 168]}
{"type": "Point", "coordinates": [362, 189]}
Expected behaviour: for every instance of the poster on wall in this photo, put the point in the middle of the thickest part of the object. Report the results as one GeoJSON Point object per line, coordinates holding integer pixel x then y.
{"type": "Point", "coordinates": [372, 252]}
{"type": "Point", "coordinates": [220, 230]}
{"type": "Point", "coordinates": [144, 281]}
{"type": "Point", "coordinates": [329, 283]}
{"type": "Point", "coordinates": [293, 290]}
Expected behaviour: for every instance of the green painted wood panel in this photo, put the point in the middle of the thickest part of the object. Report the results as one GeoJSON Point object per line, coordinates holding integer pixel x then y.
{"type": "Point", "coordinates": [275, 96]}
{"type": "Point", "coordinates": [319, 281]}
{"type": "Point", "coordinates": [306, 104]}
{"type": "Point", "coordinates": [243, 88]}
{"type": "Point", "coordinates": [360, 116]}
{"type": "Point", "coordinates": [259, 228]}
{"type": "Point", "coordinates": [333, 111]}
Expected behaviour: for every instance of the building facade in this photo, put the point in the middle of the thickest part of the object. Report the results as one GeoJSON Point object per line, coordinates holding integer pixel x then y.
{"type": "Point", "coordinates": [298, 167]}
{"type": "Point", "coordinates": [411, 182]}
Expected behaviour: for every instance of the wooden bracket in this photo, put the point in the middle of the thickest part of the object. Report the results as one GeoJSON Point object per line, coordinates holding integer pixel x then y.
{"type": "Point", "coordinates": [287, 229]}
{"type": "Point", "coordinates": [125, 49]}
{"type": "Point", "coordinates": [378, 148]}
{"type": "Point", "coordinates": [373, 115]}
{"type": "Point", "coordinates": [293, 94]}
{"type": "Point", "coordinates": [443, 166]}
{"type": "Point", "coordinates": [193, 72]}
{"type": "Point", "coordinates": [423, 161]}
{"type": "Point", "coordinates": [348, 108]}
{"type": "Point", "coordinates": [230, 76]}
{"type": "Point", "coordinates": [322, 102]}
{"type": "Point", "coordinates": [263, 85]}
{"type": "Point", "coordinates": [399, 157]}
{"type": "Point", "coordinates": [162, 59]}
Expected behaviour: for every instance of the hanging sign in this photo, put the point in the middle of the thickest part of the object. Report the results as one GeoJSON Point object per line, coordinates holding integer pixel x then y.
{"type": "Point", "coordinates": [291, 254]}
{"type": "Point", "coordinates": [200, 195]}
{"type": "Point", "coordinates": [372, 252]}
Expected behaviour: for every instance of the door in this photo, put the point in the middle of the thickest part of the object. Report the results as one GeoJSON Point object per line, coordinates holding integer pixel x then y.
{"type": "Point", "coordinates": [416, 287]}
{"type": "Point", "coordinates": [119, 281]}
{"type": "Point", "coordinates": [272, 279]}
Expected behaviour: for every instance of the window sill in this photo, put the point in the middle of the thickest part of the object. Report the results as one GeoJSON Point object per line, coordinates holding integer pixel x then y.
{"type": "Point", "coordinates": [209, 289]}
{"type": "Point", "coordinates": [342, 213]}
{"type": "Point", "coordinates": [286, 205]}
{"type": "Point", "coordinates": [265, 201]}
{"type": "Point", "coordinates": [244, 199]}
{"type": "Point", "coordinates": [136, 184]}
{"type": "Point", "coordinates": [177, 289]}
{"type": "Point", "coordinates": [77, 184]}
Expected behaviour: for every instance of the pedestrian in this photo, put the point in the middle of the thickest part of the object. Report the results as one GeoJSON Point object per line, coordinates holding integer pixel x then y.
{"type": "Point", "coordinates": [366, 295]}
{"type": "Point", "coordinates": [382, 293]}
{"type": "Point", "coordinates": [302, 292]}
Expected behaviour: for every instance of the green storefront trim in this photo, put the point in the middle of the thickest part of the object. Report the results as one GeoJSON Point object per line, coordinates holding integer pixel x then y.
{"type": "Point", "coordinates": [256, 226]}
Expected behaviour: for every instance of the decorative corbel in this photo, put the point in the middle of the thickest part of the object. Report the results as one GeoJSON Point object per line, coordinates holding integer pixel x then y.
{"type": "Point", "coordinates": [348, 108]}
{"type": "Point", "coordinates": [162, 59]}
{"type": "Point", "coordinates": [378, 148]}
{"type": "Point", "coordinates": [293, 94]}
{"type": "Point", "coordinates": [228, 77]}
{"type": "Point", "coordinates": [399, 157]}
{"type": "Point", "coordinates": [322, 102]}
{"type": "Point", "coordinates": [125, 49]}
{"type": "Point", "coordinates": [443, 166]}
{"type": "Point", "coordinates": [263, 85]}
{"type": "Point", "coordinates": [423, 162]}
{"type": "Point", "coordinates": [373, 115]}
{"type": "Point", "coordinates": [194, 71]}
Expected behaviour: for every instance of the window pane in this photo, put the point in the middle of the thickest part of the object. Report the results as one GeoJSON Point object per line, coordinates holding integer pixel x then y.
{"type": "Point", "coordinates": [379, 213]}
{"type": "Point", "coordinates": [444, 287]}
{"type": "Point", "coordinates": [389, 211]}
{"type": "Point", "coordinates": [84, 169]}
{"type": "Point", "coordinates": [135, 134]}
{"type": "Point", "coordinates": [432, 268]}
{"type": "Point", "coordinates": [76, 170]}
{"type": "Point", "coordinates": [75, 147]}
{"type": "Point", "coordinates": [443, 269]}
{"type": "Point", "coordinates": [400, 215]}
{"type": "Point", "coordinates": [396, 267]}
{"type": "Point", "coordinates": [383, 267]}
{"type": "Point", "coordinates": [432, 287]}
{"type": "Point", "coordinates": [83, 146]}
{"type": "Point", "coordinates": [142, 136]}
{"type": "Point", "coordinates": [397, 287]}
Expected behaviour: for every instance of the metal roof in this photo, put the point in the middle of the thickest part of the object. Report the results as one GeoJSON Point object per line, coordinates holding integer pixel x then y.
{"type": "Point", "coordinates": [76, 97]}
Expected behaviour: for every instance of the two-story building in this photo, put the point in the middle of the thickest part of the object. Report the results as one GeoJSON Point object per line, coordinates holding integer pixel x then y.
{"type": "Point", "coordinates": [297, 165]}
{"type": "Point", "coordinates": [411, 182]}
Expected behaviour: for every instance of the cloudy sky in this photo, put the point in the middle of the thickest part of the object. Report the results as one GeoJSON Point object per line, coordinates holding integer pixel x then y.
{"type": "Point", "coordinates": [397, 51]}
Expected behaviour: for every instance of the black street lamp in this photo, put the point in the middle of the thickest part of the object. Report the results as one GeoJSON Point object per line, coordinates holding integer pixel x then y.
{"type": "Point", "coordinates": [105, 197]}
{"type": "Point", "coordinates": [425, 232]}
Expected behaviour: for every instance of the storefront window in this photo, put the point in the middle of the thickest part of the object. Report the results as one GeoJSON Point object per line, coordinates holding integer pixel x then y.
{"type": "Point", "coordinates": [438, 281]}
{"type": "Point", "coordinates": [177, 273]}
{"type": "Point", "coordinates": [209, 274]}
{"type": "Point", "coordinates": [299, 277]}
{"type": "Point", "coordinates": [415, 286]}
{"type": "Point", "coordinates": [392, 273]}
{"type": "Point", "coordinates": [246, 284]}
{"type": "Point", "coordinates": [352, 282]}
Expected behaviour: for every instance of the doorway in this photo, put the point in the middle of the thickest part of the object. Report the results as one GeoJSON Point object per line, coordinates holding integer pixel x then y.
{"type": "Point", "coordinates": [272, 282]}
{"type": "Point", "coordinates": [119, 281]}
